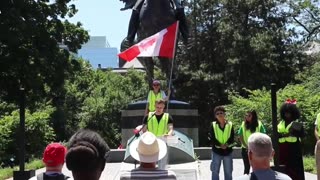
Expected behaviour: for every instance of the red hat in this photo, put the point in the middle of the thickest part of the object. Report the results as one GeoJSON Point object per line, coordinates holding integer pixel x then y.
{"type": "Point", "coordinates": [54, 154]}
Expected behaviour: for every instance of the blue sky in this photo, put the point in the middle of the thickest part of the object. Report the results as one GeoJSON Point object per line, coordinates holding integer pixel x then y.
{"type": "Point", "coordinates": [103, 18]}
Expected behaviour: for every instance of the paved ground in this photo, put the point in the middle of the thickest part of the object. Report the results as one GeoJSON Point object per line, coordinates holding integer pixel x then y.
{"type": "Point", "coordinates": [197, 170]}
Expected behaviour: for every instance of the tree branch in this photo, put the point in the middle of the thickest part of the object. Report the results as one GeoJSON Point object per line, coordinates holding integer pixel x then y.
{"type": "Point", "coordinates": [312, 16]}
{"type": "Point", "coordinates": [297, 21]}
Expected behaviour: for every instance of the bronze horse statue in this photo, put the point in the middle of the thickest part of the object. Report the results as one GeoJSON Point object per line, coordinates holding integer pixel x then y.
{"type": "Point", "coordinates": [148, 18]}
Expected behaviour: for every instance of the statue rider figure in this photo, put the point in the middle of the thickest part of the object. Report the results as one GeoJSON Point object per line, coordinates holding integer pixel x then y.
{"type": "Point", "coordinates": [134, 20]}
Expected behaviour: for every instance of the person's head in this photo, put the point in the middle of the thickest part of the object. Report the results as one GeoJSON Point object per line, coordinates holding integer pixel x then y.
{"type": "Point", "coordinates": [156, 85]}
{"type": "Point", "coordinates": [86, 156]}
{"type": "Point", "coordinates": [54, 157]}
{"type": "Point", "coordinates": [160, 104]}
{"type": "Point", "coordinates": [260, 150]}
{"type": "Point", "coordinates": [289, 111]}
{"type": "Point", "coordinates": [148, 149]}
{"type": "Point", "coordinates": [251, 120]}
{"type": "Point", "coordinates": [219, 112]}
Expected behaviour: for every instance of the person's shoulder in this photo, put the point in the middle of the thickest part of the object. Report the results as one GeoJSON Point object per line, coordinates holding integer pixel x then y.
{"type": "Point", "coordinates": [282, 176]}
{"type": "Point", "coordinates": [243, 177]}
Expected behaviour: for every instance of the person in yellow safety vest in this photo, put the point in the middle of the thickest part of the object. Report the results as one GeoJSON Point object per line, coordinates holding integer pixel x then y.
{"type": "Point", "coordinates": [222, 139]}
{"type": "Point", "coordinates": [290, 133]}
{"type": "Point", "coordinates": [155, 94]}
{"type": "Point", "coordinates": [250, 125]}
{"type": "Point", "coordinates": [317, 147]}
{"type": "Point", "coordinates": [161, 125]}
{"type": "Point", "coordinates": [158, 122]}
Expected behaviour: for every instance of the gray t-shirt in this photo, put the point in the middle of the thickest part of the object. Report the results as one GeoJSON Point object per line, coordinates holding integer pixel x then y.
{"type": "Point", "coordinates": [268, 174]}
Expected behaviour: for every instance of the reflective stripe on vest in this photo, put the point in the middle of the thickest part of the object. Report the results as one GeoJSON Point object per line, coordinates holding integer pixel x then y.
{"type": "Point", "coordinates": [153, 99]}
{"type": "Point", "coordinates": [282, 129]}
{"type": "Point", "coordinates": [246, 132]}
{"type": "Point", "coordinates": [222, 136]}
{"type": "Point", "coordinates": [161, 128]}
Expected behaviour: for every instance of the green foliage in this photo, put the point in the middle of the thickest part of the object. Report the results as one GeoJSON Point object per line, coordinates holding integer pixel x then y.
{"type": "Point", "coordinates": [305, 18]}
{"type": "Point", "coordinates": [236, 45]}
{"type": "Point", "coordinates": [310, 77]}
{"type": "Point", "coordinates": [94, 99]}
{"type": "Point", "coordinates": [38, 133]}
{"type": "Point", "coordinates": [309, 163]}
{"type": "Point", "coordinates": [259, 100]}
{"type": "Point", "coordinates": [30, 35]}
{"type": "Point", "coordinates": [7, 173]}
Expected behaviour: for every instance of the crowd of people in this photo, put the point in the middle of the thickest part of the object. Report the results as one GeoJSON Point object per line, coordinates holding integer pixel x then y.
{"type": "Point", "coordinates": [86, 153]}
{"type": "Point", "coordinates": [290, 131]}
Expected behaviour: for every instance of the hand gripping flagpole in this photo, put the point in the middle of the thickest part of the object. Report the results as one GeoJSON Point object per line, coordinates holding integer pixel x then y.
{"type": "Point", "coordinates": [172, 63]}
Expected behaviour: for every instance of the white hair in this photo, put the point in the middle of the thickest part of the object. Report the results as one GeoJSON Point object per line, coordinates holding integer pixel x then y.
{"type": "Point", "coordinates": [260, 145]}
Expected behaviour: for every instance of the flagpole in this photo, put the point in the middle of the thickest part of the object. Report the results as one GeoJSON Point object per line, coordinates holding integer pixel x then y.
{"type": "Point", "coordinates": [172, 63]}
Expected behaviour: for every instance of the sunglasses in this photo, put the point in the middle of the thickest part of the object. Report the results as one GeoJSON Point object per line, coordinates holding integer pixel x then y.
{"type": "Point", "coordinates": [156, 85]}
{"type": "Point", "coordinates": [219, 113]}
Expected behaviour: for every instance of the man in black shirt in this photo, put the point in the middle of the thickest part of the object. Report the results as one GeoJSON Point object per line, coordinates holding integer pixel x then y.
{"type": "Point", "coordinates": [158, 122]}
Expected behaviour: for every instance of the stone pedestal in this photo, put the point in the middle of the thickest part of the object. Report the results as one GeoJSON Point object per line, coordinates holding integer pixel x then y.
{"type": "Point", "coordinates": [185, 119]}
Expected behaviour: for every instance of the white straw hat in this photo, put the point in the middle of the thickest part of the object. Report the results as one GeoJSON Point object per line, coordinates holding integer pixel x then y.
{"type": "Point", "coordinates": [148, 148]}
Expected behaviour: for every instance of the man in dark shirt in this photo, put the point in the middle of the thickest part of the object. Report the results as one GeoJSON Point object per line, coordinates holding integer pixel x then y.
{"type": "Point", "coordinates": [161, 125]}
{"type": "Point", "coordinates": [158, 122]}
{"type": "Point", "coordinates": [222, 139]}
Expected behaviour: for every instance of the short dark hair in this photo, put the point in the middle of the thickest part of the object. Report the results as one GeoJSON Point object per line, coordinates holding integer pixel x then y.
{"type": "Point", "coordinates": [219, 108]}
{"type": "Point", "coordinates": [87, 151]}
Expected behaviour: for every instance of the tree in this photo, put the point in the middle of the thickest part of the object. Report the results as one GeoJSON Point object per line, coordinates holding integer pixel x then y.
{"type": "Point", "coordinates": [236, 45]}
{"type": "Point", "coordinates": [305, 16]}
{"type": "Point", "coordinates": [30, 56]}
{"type": "Point", "coordinates": [94, 99]}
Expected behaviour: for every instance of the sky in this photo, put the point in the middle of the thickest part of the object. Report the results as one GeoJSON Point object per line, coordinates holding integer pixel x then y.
{"type": "Point", "coordinates": [103, 18]}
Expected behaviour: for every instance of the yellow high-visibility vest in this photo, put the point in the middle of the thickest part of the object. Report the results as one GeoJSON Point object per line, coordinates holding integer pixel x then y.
{"type": "Point", "coordinates": [282, 129]}
{"type": "Point", "coordinates": [153, 98]}
{"type": "Point", "coordinates": [246, 132]}
{"type": "Point", "coordinates": [222, 136]}
{"type": "Point", "coordinates": [158, 129]}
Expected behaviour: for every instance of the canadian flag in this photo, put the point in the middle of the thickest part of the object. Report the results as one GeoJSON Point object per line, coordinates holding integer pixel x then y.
{"type": "Point", "coordinates": [161, 44]}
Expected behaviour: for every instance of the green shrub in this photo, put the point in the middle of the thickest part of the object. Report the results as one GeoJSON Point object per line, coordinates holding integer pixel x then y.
{"type": "Point", "coordinates": [309, 164]}
{"type": "Point", "coordinates": [38, 134]}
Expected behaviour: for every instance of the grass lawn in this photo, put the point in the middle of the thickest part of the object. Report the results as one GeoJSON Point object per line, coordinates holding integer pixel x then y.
{"type": "Point", "coordinates": [309, 164]}
{"type": "Point", "coordinates": [6, 173]}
